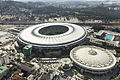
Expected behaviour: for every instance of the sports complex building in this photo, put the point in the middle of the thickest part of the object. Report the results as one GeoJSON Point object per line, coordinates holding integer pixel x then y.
{"type": "Point", "coordinates": [52, 38]}
{"type": "Point", "coordinates": [108, 37]}
{"type": "Point", "coordinates": [93, 60]}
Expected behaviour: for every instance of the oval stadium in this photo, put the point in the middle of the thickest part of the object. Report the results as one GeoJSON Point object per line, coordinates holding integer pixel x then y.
{"type": "Point", "coordinates": [53, 38]}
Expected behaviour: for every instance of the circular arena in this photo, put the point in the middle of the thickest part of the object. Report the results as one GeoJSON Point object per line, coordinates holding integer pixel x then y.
{"type": "Point", "coordinates": [92, 59]}
{"type": "Point", "coordinates": [53, 37]}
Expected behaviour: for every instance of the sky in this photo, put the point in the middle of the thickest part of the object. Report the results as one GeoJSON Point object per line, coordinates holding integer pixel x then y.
{"type": "Point", "coordinates": [64, 0]}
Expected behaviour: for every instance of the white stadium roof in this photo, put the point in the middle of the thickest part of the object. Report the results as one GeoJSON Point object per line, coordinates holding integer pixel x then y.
{"type": "Point", "coordinates": [93, 58]}
{"type": "Point", "coordinates": [33, 35]}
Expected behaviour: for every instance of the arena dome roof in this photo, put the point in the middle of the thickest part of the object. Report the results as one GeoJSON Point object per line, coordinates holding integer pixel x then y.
{"type": "Point", "coordinates": [52, 34]}
{"type": "Point", "coordinates": [93, 58]}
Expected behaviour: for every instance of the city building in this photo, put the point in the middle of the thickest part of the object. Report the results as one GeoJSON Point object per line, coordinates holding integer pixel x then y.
{"type": "Point", "coordinates": [27, 50]}
{"type": "Point", "coordinates": [52, 38]}
{"type": "Point", "coordinates": [4, 58]}
{"type": "Point", "coordinates": [5, 40]}
{"type": "Point", "coordinates": [66, 64]}
{"type": "Point", "coordinates": [3, 71]}
{"type": "Point", "coordinates": [3, 33]}
{"type": "Point", "coordinates": [93, 60]}
{"type": "Point", "coordinates": [27, 68]}
{"type": "Point", "coordinates": [108, 37]}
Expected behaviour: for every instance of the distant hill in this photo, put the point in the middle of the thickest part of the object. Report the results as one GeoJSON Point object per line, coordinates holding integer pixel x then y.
{"type": "Point", "coordinates": [20, 4]}
{"type": "Point", "coordinates": [39, 11]}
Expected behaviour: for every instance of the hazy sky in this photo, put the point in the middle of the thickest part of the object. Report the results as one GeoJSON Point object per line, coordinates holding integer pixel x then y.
{"type": "Point", "coordinates": [66, 0]}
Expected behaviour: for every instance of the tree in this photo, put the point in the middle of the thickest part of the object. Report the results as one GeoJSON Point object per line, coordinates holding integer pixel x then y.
{"type": "Point", "coordinates": [115, 79]}
{"type": "Point", "coordinates": [86, 78]}
{"type": "Point", "coordinates": [97, 27]}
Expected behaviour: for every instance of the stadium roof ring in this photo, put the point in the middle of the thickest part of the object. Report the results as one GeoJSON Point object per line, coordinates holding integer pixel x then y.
{"type": "Point", "coordinates": [53, 34]}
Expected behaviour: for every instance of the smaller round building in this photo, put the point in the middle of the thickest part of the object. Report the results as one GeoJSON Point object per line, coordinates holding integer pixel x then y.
{"type": "Point", "coordinates": [92, 59]}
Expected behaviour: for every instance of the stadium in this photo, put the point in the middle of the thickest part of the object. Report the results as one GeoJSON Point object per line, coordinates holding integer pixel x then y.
{"type": "Point", "coordinates": [52, 38]}
{"type": "Point", "coordinates": [93, 60]}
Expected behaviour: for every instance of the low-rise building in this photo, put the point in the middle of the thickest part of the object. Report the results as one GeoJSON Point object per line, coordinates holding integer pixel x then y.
{"type": "Point", "coordinates": [28, 68]}
{"type": "Point", "coordinates": [108, 37]}
{"type": "Point", "coordinates": [4, 59]}
{"type": "Point", "coordinates": [3, 71]}
{"type": "Point", "coordinates": [4, 40]}
{"type": "Point", "coordinates": [66, 64]}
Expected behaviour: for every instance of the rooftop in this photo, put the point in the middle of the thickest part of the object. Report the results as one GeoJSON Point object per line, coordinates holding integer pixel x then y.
{"type": "Point", "coordinates": [92, 57]}
{"type": "Point", "coordinates": [65, 60]}
{"type": "Point", "coordinates": [47, 34]}
{"type": "Point", "coordinates": [2, 69]}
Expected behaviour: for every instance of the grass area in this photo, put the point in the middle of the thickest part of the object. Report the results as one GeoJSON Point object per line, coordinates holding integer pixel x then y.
{"type": "Point", "coordinates": [60, 68]}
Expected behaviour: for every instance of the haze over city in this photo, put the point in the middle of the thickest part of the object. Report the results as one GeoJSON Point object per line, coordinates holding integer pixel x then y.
{"type": "Point", "coordinates": [59, 39]}
{"type": "Point", "coordinates": [63, 0]}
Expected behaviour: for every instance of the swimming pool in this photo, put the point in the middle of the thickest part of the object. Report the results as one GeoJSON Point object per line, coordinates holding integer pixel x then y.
{"type": "Point", "coordinates": [108, 37]}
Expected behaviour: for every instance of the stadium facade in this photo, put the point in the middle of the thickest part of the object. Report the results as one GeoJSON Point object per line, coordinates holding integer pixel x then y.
{"type": "Point", "coordinates": [93, 60]}
{"type": "Point", "coordinates": [53, 38]}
